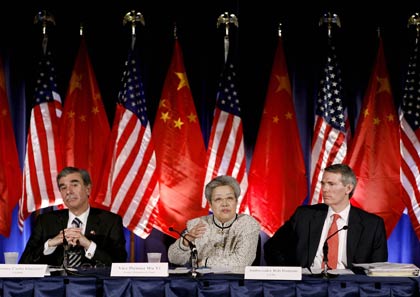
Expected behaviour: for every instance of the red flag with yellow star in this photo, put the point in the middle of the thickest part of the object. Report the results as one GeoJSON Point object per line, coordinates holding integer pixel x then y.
{"type": "Point", "coordinates": [375, 153]}
{"type": "Point", "coordinates": [180, 151]}
{"type": "Point", "coordinates": [276, 181]}
{"type": "Point", "coordinates": [84, 126]}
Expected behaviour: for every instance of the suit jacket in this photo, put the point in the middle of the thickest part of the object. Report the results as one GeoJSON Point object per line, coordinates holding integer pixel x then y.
{"type": "Point", "coordinates": [102, 227]}
{"type": "Point", "coordinates": [296, 242]}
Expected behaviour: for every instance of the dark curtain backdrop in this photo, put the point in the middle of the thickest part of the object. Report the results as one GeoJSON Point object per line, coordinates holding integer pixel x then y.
{"type": "Point", "coordinates": [202, 43]}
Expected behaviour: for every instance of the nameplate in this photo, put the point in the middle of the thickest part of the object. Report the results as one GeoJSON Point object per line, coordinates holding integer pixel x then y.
{"type": "Point", "coordinates": [273, 272]}
{"type": "Point", "coordinates": [22, 270]}
{"type": "Point", "coordinates": [139, 269]}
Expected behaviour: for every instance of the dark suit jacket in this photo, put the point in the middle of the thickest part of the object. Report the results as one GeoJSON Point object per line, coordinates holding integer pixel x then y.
{"type": "Point", "coordinates": [103, 227]}
{"type": "Point", "coordinates": [296, 242]}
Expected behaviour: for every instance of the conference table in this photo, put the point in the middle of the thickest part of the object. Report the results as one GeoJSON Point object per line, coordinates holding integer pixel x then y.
{"type": "Point", "coordinates": [101, 284]}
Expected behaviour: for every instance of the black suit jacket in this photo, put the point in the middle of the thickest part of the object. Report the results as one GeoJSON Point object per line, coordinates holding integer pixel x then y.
{"type": "Point", "coordinates": [103, 227]}
{"type": "Point", "coordinates": [296, 242]}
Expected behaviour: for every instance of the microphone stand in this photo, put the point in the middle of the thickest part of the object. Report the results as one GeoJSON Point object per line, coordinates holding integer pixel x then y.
{"type": "Point", "coordinates": [193, 251]}
{"type": "Point", "coordinates": [325, 273]}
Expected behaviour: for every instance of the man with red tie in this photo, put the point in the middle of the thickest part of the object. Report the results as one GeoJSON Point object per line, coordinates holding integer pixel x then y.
{"type": "Point", "coordinates": [351, 234]}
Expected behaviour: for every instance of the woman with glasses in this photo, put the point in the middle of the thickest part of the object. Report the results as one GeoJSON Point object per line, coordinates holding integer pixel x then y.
{"type": "Point", "coordinates": [223, 238]}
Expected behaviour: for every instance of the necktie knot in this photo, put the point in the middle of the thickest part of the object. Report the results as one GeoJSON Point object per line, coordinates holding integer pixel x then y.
{"type": "Point", "coordinates": [335, 216]}
{"type": "Point", "coordinates": [76, 222]}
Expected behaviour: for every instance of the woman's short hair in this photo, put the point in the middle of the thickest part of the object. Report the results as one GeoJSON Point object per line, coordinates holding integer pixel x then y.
{"type": "Point", "coordinates": [222, 180]}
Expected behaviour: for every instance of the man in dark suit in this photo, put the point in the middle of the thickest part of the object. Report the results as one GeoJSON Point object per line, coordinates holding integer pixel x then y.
{"type": "Point", "coordinates": [97, 238]}
{"type": "Point", "coordinates": [300, 241]}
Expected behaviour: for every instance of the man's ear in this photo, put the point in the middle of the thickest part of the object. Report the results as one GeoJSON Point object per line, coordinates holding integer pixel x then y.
{"type": "Point", "coordinates": [349, 188]}
{"type": "Point", "coordinates": [88, 189]}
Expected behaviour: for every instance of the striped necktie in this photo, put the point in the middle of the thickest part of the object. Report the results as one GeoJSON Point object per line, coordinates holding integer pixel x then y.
{"type": "Point", "coordinates": [75, 256]}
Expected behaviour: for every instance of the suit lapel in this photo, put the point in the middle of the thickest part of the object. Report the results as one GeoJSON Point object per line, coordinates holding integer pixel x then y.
{"type": "Point", "coordinates": [315, 230]}
{"type": "Point", "coordinates": [93, 223]}
{"type": "Point", "coordinates": [353, 233]}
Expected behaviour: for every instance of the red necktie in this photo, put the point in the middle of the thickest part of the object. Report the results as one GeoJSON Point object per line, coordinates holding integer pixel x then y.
{"type": "Point", "coordinates": [333, 244]}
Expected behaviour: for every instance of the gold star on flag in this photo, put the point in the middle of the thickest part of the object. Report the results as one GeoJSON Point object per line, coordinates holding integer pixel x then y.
{"type": "Point", "coordinates": [164, 116]}
{"type": "Point", "coordinates": [283, 84]}
{"type": "Point", "coordinates": [390, 118]}
{"type": "Point", "coordinates": [383, 85]}
{"type": "Point", "coordinates": [192, 118]}
{"type": "Point", "coordinates": [178, 123]}
{"type": "Point", "coordinates": [76, 83]}
{"type": "Point", "coordinates": [95, 110]}
{"type": "Point", "coordinates": [183, 82]}
{"type": "Point", "coordinates": [289, 115]}
{"type": "Point", "coordinates": [162, 103]}
{"type": "Point", "coordinates": [70, 114]}
{"type": "Point", "coordinates": [376, 121]}
{"type": "Point", "coordinates": [366, 112]}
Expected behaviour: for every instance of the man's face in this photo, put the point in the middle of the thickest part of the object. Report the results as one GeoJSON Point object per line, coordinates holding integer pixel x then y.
{"type": "Point", "coordinates": [74, 193]}
{"type": "Point", "coordinates": [223, 203]}
{"type": "Point", "coordinates": [334, 192]}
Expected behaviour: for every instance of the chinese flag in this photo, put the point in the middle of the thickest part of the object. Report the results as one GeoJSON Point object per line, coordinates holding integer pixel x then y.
{"type": "Point", "coordinates": [180, 151]}
{"type": "Point", "coordinates": [277, 181]}
{"type": "Point", "coordinates": [10, 173]}
{"type": "Point", "coordinates": [375, 152]}
{"type": "Point", "coordinates": [84, 126]}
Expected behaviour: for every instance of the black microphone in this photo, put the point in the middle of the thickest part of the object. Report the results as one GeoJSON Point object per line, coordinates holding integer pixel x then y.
{"type": "Point", "coordinates": [192, 246]}
{"type": "Point", "coordinates": [66, 248]}
{"type": "Point", "coordinates": [325, 247]}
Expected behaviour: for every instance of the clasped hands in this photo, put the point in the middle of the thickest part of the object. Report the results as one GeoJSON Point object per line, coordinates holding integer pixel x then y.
{"type": "Point", "coordinates": [74, 236]}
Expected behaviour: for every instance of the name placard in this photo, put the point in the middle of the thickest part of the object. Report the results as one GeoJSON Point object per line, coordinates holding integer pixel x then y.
{"type": "Point", "coordinates": [22, 270]}
{"type": "Point", "coordinates": [139, 269]}
{"type": "Point", "coordinates": [273, 272]}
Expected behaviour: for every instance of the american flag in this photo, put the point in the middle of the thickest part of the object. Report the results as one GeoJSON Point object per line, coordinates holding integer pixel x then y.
{"type": "Point", "coordinates": [131, 187]}
{"type": "Point", "coordinates": [42, 159]}
{"type": "Point", "coordinates": [409, 142]}
{"type": "Point", "coordinates": [329, 143]}
{"type": "Point", "coordinates": [226, 152]}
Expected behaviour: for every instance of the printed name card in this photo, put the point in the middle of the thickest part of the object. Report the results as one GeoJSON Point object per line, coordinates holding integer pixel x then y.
{"type": "Point", "coordinates": [139, 269]}
{"type": "Point", "coordinates": [22, 270]}
{"type": "Point", "coordinates": [273, 272]}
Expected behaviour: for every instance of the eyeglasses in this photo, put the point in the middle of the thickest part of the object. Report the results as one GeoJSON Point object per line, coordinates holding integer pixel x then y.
{"type": "Point", "coordinates": [228, 200]}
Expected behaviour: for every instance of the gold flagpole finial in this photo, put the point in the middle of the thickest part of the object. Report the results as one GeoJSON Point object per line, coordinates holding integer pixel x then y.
{"type": "Point", "coordinates": [330, 19]}
{"type": "Point", "coordinates": [279, 30]}
{"type": "Point", "coordinates": [414, 20]}
{"type": "Point", "coordinates": [44, 18]}
{"type": "Point", "coordinates": [227, 19]}
{"type": "Point", "coordinates": [132, 17]}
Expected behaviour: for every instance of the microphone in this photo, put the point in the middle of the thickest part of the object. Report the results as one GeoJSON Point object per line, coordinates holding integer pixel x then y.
{"type": "Point", "coordinates": [66, 248]}
{"type": "Point", "coordinates": [325, 247]}
{"type": "Point", "coordinates": [193, 249]}
{"type": "Point", "coordinates": [190, 243]}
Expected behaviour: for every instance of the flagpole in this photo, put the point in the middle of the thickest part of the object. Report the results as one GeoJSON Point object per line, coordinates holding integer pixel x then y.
{"type": "Point", "coordinates": [227, 19]}
{"type": "Point", "coordinates": [133, 17]}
